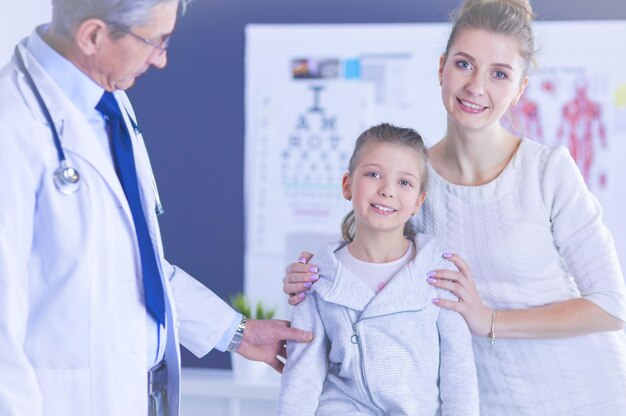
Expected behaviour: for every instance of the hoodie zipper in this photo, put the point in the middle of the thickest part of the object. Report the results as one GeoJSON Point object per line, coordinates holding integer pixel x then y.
{"type": "Point", "coordinates": [356, 339]}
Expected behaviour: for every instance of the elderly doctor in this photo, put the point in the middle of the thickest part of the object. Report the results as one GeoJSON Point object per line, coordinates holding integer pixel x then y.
{"type": "Point", "coordinates": [91, 314]}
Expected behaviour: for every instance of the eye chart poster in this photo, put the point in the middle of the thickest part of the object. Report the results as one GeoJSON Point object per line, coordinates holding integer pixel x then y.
{"type": "Point", "coordinates": [312, 89]}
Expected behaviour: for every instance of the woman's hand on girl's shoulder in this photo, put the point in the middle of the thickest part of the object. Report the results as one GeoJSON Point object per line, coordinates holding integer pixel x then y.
{"type": "Point", "coordinates": [299, 277]}
{"type": "Point", "coordinates": [462, 285]}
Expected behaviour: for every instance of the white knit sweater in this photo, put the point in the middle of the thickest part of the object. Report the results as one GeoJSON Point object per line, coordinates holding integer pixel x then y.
{"type": "Point", "coordinates": [535, 236]}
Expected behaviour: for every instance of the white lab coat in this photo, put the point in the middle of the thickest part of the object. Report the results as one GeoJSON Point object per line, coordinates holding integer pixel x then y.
{"type": "Point", "coordinates": [73, 333]}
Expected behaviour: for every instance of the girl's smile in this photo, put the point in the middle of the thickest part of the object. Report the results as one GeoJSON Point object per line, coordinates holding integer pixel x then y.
{"type": "Point", "coordinates": [385, 189]}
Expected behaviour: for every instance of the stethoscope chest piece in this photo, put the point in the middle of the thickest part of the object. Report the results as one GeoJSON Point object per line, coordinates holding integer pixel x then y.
{"type": "Point", "coordinates": [67, 179]}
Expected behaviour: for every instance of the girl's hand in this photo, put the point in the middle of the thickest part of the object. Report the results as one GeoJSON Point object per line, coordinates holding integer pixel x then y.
{"type": "Point", "coordinates": [462, 285]}
{"type": "Point", "coordinates": [299, 278]}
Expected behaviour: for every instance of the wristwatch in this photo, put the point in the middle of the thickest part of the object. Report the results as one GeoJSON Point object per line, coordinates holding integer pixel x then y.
{"type": "Point", "coordinates": [238, 337]}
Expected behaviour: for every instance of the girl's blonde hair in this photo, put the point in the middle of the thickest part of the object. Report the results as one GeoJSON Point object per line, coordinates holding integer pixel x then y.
{"type": "Point", "coordinates": [387, 134]}
{"type": "Point", "coordinates": [506, 17]}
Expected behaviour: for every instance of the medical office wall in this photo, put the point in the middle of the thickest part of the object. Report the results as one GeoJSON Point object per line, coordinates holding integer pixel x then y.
{"type": "Point", "coordinates": [203, 131]}
{"type": "Point", "coordinates": [309, 96]}
{"type": "Point", "coordinates": [192, 116]}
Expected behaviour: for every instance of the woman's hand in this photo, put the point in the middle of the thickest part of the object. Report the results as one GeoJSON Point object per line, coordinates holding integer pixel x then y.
{"type": "Point", "coordinates": [566, 318]}
{"type": "Point", "coordinates": [299, 277]}
{"type": "Point", "coordinates": [462, 285]}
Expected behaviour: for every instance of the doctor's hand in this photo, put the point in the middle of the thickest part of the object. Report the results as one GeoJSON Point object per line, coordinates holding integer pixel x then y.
{"type": "Point", "coordinates": [299, 278]}
{"type": "Point", "coordinates": [264, 340]}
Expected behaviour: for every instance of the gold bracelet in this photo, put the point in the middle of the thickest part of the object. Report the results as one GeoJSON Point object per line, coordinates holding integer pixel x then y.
{"type": "Point", "coordinates": [492, 334]}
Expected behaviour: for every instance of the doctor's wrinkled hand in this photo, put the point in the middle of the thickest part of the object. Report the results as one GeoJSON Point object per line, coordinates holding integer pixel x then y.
{"type": "Point", "coordinates": [264, 340]}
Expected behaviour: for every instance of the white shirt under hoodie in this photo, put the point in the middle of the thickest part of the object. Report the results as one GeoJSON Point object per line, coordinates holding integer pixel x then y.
{"type": "Point", "coordinates": [374, 275]}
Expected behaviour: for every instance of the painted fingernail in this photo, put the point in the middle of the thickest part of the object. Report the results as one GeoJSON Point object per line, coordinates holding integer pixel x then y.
{"type": "Point", "coordinates": [447, 255]}
{"type": "Point", "coordinates": [308, 284]}
{"type": "Point", "coordinates": [313, 269]}
{"type": "Point", "coordinates": [435, 301]}
{"type": "Point", "coordinates": [302, 260]}
{"type": "Point", "coordinates": [301, 295]}
{"type": "Point", "coordinates": [431, 274]}
{"type": "Point", "coordinates": [314, 277]}
{"type": "Point", "coordinates": [431, 280]}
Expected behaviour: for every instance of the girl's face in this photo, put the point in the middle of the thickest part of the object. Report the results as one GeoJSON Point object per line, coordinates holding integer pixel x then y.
{"type": "Point", "coordinates": [384, 188]}
{"type": "Point", "coordinates": [482, 75]}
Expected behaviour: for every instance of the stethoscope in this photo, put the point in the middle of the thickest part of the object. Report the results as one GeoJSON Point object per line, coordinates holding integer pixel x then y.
{"type": "Point", "coordinates": [66, 178]}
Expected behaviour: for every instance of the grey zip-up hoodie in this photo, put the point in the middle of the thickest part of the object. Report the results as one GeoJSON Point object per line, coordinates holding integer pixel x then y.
{"type": "Point", "coordinates": [393, 354]}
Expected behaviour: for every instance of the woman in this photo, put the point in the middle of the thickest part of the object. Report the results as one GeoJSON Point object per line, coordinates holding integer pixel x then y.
{"type": "Point", "coordinates": [541, 288]}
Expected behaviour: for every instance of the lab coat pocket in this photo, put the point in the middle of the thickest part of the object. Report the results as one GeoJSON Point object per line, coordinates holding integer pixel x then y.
{"type": "Point", "coordinates": [65, 391]}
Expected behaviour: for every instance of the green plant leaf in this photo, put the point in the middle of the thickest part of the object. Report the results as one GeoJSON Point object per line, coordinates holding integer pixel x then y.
{"type": "Point", "coordinates": [241, 304]}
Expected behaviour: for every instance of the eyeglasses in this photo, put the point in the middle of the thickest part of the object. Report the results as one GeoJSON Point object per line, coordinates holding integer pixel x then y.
{"type": "Point", "coordinates": [165, 43]}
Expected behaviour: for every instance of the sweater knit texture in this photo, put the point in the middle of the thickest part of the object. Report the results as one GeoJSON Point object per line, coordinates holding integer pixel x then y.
{"type": "Point", "coordinates": [534, 236]}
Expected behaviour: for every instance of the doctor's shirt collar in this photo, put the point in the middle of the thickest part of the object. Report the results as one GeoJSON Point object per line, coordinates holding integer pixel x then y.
{"type": "Point", "coordinates": [78, 87]}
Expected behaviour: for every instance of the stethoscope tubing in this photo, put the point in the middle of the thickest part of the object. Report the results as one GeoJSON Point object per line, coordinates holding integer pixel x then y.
{"type": "Point", "coordinates": [66, 178]}
{"type": "Point", "coordinates": [42, 104]}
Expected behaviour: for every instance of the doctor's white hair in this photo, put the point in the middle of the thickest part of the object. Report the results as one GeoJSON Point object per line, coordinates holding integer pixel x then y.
{"type": "Point", "coordinates": [120, 14]}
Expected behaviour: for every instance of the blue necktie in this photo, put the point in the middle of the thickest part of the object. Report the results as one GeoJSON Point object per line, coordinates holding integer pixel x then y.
{"type": "Point", "coordinates": [125, 168]}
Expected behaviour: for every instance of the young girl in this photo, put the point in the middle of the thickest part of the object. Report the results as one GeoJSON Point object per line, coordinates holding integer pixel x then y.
{"type": "Point", "coordinates": [540, 286]}
{"type": "Point", "coordinates": [381, 346]}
